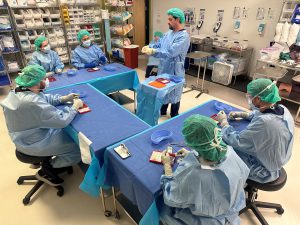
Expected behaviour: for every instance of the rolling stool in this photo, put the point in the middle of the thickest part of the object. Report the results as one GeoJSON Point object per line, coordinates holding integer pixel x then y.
{"type": "Point", "coordinates": [35, 160]}
{"type": "Point", "coordinates": [252, 189]}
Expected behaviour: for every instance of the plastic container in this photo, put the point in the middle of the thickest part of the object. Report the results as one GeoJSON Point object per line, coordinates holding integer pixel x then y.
{"type": "Point", "coordinates": [71, 72]}
{"type": "Point", "coordinates": [176, 79]}
{"type": "Point", "coordinates": [131, 54]}
{"type": "Point", "coordinates": [160, 135]}
{"type": "Point", "coordinates": [222, 106]}
{"type": "Point", "coordinates": [110, 68]}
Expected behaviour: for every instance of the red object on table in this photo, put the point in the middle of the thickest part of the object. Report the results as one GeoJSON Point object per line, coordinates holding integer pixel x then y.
{"type": "Point", "coordinates": [131, 54]}
{"type": "Point", "coordinates": [84, 109]}
{"type": "Point", "coordinates": [163, 80]}
{"type": "Point", "coordinates": [156, 157]}
{"type": "Point", "coordinates": [156, 84]}
{"type": "Point", "coordinates": [93, 69]}
{"type": "Point", "coordinates": [51, 79]}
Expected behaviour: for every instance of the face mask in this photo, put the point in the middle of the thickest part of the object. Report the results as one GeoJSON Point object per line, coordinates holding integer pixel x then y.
{"type": "Point", "coordinates": [46, 83]}
{"type": "Point", "coordinates": [86, 43]}
{"type": "Point", "coordinates": [47, 49]}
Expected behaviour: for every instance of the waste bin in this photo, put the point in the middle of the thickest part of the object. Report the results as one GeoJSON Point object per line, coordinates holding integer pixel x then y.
{"type": "Point", "coordinates": [131, 54]}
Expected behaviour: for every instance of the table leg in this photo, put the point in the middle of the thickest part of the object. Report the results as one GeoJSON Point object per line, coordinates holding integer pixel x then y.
{"type": "Point", "coordinates": [117, 214]}
{"type": "Point", "coordinates": [202, 90]}
{"type": "Point", "coordinates": [107, 213]}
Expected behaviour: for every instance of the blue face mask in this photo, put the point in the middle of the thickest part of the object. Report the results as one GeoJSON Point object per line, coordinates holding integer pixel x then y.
{"type": "Point", "coordinates": [86, 43]}
{"type": "Point", "coordinates": [47, 49]}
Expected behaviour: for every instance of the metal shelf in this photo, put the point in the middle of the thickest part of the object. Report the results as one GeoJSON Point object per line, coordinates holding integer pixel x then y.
{"type": "Point", "coordinates": [39, 28]}
{"type": "Point", "coordinates": [34, 7]}
{"type": "Point", "coordinates": [6, 31]}
{"type": "Point", "coordinates": [12, 52]}
{"type": "Point", "coordinates": [80, 4]}
{"type": "Point", "coordinates": [85, 23]}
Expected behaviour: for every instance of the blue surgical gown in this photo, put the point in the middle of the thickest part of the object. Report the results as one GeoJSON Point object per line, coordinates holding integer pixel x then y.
{"type": "Point", "coordinates": [153, 61]}
{"type": "Point", "coordinates": [200, 194]}
{"type": "Point", "coordinates": [35, 126]}
{"type": "Point", "coordinates": [50, 61]}
{"type": "Point", "coordinates": [82, 56]}
{"type": "Point", "coordinates": [265, 145]}
{"type": "Point", "coordinates": [172, 53]}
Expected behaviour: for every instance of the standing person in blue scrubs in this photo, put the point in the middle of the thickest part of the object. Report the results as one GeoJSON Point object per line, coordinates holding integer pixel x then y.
{"type": "Point", "coordinates": [153, 62]}
{"type": "Point", "coordinates": [173, 50]}
{"type": "Point", "coordinates": [46, 57]}
{"type": "Point", "coordinates": [87, 54]}
{"type": "Point", "coordinates": [266, 144]}
{"type": "Point", "coordinates": [207, 187]}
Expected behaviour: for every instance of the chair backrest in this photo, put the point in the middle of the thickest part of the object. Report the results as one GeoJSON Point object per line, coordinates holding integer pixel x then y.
{"type": "Point", "coordinates": [30, 159]}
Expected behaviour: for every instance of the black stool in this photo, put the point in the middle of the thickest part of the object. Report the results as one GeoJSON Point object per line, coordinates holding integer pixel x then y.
{"type": "Point", "coordinates": [34, 160]}
{"type": "Point", "coordinates": [252, 189]}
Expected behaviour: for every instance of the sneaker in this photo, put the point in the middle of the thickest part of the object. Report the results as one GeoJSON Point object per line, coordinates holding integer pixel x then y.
{"type": "Point", "coordinates": [49, 179]}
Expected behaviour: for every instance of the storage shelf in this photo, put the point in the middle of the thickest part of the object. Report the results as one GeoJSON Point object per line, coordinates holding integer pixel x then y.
{"type": "Point", "coordinates": [12, 52]}
{"type": "Point", "coordinates": [14, 71]}
{"type": "Point", "coordinates": [227, 49]}
{"type": "Point", "coordinates": [80, 4]}
{"type": "Point", "coordinates": [34, 7]}
{"type": "Point", "coordinates": [6, 31]}
{"type": "Point", "coordinates": [39, 28]}
{"type": "Point", "coordinates": [84, 23]}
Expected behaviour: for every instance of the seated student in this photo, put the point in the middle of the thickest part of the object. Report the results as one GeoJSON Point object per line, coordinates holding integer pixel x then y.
{"type": "Point", "coordinates": [207, 186]}
{"type": "Point", "coordinates": [266, 144]}
{"type": "Point", "coordinates": [152, 61]}
{"type": "Point", "coordinates": [46, 57]}
{"type": "Point", "coordinates": [35, 125]}
{"type": "Point", "coordinates": [87, 54]}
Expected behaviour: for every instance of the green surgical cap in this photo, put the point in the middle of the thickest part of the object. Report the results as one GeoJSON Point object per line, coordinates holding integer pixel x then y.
{"type": "Point", "coordinates": [31, 75]}
{"type": "Point", "coordinates": [178, 13]}
{"type": "Point", "coordinates": [82, 33]}
{"type": "Point", "coordinates": [202, 134]}
{"type": "Point", "coordinates": [158, 34]}
{"type": "Point", "coordinates": [265, 89]}
{"type": "Point", "coordinates": [38, 42]}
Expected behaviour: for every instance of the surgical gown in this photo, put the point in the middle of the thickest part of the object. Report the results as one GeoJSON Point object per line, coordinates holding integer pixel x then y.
{"type": "Point", "coordinates": [50, 61]}
{"type": "Point", "coordinates": [82, 56]}
{"type": "Point", "coordinates": [153, 61]}
{"type": "Point", "coordinates": [35, 126]}
{"type": "Point", "coordinates": [205, 195]}
{"type": "Point", "coordinates": [172, 53]}
{"type": "Point", "coordinates": [265, 145]}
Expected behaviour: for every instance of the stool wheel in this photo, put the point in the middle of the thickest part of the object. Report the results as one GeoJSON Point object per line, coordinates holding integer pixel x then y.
{"type": "Point", "coordinates": [26, 201]}
{"type": "Point", "coordinates": [280, 211]}
{"type": "Point", "coordinates": [20, 181]}
{"type": "Point", "coordinates": [107, 213]}
{"type": "Point", "coordinates": [60, 191]}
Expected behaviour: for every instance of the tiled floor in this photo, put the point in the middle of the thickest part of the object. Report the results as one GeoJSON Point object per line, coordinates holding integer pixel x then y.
{"type": "Point", "coordinates": [76, 208]}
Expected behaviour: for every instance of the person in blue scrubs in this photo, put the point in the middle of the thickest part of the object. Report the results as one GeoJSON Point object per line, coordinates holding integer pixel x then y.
{"type": "Point", "coordinates": [266, 144]}
{"type": "Point", "coordinates": [35, 125]}
{"type": "Point", "coordinates": [87, 54]}
{"type": "Point", "coordinates": [172, 53]}
{"type": "Point", "coordinates": [153, 62]}
{"type": "Point", "coordinates": [46, 57]}
{"type": "Point", "coordinates": [207, 187]}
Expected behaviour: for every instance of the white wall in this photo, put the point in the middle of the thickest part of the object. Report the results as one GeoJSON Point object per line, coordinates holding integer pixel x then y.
{"type": "Point", "coordinates": [248, 28]}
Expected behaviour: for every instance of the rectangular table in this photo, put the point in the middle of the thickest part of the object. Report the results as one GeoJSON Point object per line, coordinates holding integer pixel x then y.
{"type": "Point", "coordinates": [150, 99]}
{"type": "Point", "coordinates": [137, 178]}
{"type": "Point", "coordinates": [105, 81]}
{"type": "Point", "coordinates": [106, 124]}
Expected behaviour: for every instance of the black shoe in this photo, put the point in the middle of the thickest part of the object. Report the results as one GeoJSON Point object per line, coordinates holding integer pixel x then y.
{"type": "Point", "coordinates": [48, 178]}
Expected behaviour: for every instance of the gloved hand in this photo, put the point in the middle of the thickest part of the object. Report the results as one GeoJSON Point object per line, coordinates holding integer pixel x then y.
{"type": "Point", "coordinates": [166, 160]}
{"type": "Point", "coordinates": [90, 65]}
{"type": "Point", "coordinates": [49, 74]}
{"type": "Point", "coordinates": [182, 152]}
{"type": "Point", "coordinates": [59, 71]}
{"type": "Point", "coordinates": [222, 118]}
{"type": "Point", "coordinates": [144, 49]}
{"type": "Point", "coordinates": [77, 104]}
{"type": "Point", "coordinates": [233, 115]}
{"type": "Point", "coordinates": [103, 60]}
{"type": "Point", "coordinates": [68, 98]}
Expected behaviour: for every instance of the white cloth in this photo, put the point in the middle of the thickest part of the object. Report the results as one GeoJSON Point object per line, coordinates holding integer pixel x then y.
{"type": "Point", "coordinates": [293, 34]}
{"type": "Point", "coordinates": [285, 33]}
{"type": "Point", "coordinates": [278, 32]}
{"type": "Point", "coordinates": [84, 145]}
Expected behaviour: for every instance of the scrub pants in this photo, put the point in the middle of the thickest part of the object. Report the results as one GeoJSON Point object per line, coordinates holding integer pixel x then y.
{"type": "Point", "coordinates": [174, 109]}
